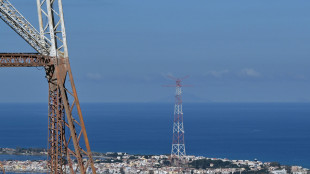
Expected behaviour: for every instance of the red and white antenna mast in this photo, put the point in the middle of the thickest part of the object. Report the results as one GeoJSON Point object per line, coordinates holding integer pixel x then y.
{"type": "Point", "coordinates": [178, 143]}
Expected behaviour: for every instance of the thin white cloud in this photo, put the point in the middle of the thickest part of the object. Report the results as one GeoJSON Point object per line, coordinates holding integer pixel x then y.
{"type": "Point", "coordinates": [300, 77]}
{"type": "Point", "coordinates": [94, 76]}
{"type": "Point", "coordinates": [249, 72]}
{"type": "Point", "coordinates": [217, 74]}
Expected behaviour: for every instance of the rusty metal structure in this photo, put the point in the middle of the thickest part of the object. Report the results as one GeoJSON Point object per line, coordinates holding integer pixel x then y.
{"type": "Point", "coordinates": [68, 145]}
{"type": "Point", "coordinates": [2, 168]}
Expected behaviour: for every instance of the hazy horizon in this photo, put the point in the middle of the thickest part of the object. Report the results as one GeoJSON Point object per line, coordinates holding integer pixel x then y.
{"type": "Point", "coordinates": [123, 51]}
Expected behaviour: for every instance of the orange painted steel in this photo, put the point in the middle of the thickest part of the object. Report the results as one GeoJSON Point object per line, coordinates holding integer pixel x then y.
{"type": "Point", "coordinates": [61, 115]}
{"type": "Point", "coordinates": [2, 168]}
{"type": "Point", "coordinates": [68, 144]}
{"type": "Point", "coordinates": [24, 60]}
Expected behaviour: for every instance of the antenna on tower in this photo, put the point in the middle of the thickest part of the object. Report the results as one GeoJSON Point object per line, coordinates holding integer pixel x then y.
{"type": "Point", "coordinates": [178, 143]}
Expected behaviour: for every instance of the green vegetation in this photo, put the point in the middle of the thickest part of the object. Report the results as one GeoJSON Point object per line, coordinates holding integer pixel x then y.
{"type": "Point", "coordinates": [22, 151]}
{"type": "Point", "coordinates": [29, 150]}
{"type": "Point", "coordinates": [275, 164]}
{"type": "Point", "coordinates": [133, 157]}
{"type": "Point", "coordinates": [111, 161]}
{"type": "Point", "coordinates": [114, 154]}
{"type": "Point", "coordinates": [208, 163]}
{"type": "Point", "coordinates": [166, 163]}
{"type": "Point", "coordinates": [148, 156]}
{"type": "Point", "coordinates": [264, 171]}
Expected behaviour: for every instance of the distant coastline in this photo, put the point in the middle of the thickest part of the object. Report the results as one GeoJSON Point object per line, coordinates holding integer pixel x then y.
{"type": "Point", "coordinates": [268, 132]}
{"type": "Point", "coordinates": [23, 151]}
{"type": "Point", "coordinates": [118, 162]}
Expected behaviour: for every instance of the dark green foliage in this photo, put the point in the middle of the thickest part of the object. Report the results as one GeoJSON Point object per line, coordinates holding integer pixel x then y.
{"type": "Point", "coordinates": [166, 163]}
{"type": "Point", "coordinates": [110, 161]}
{"type": "Point", "coordinates": [122, 171]}
{"type": "Point", "coordinates": [275, 164]}
{"type": "Point", "coordinates": [157, 166]}
{"type": "Point", "coordinates": [263, 171]}
{"type": "Point", "coordinates": [112, 154]}
{"type": "Point", "coordinates": [205, 163]}
{"type": "Point", "coordinates": [148, 156]}
{"type": "Point", "coordinates": [288, 169]}
{"type": "Point", "coordinates": [19, 150]}
{"type": "Point", "coordinates": [133, 157]}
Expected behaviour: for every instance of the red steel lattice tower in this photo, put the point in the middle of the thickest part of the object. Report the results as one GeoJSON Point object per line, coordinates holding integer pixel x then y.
{"type": "Point", "coordinates": [178, 143]}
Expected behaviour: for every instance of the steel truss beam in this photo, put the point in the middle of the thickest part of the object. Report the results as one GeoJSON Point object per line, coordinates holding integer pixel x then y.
{"type": "Point", "coordinates": [60, 113]}
{"type": "Point", "coordinates": [24, 60]}
{"type": "Point", "coordinates": [63, 148]}
{"type": "Point", "coordinates": [21, 26]}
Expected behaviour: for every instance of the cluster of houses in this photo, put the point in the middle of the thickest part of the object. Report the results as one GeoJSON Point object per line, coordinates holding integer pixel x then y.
{"type": "Point", "coordinates": [122, 163]}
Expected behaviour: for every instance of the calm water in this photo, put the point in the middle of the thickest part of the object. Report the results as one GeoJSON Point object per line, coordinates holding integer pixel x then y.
{"type": "Point", "coordinates": [269, 131]}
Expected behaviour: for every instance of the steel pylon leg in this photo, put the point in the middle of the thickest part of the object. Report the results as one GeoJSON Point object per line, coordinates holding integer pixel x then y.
{"type": "Point", "coordinates": [56, 133]}
{"type": "Point", "coordinates": [2, 168]}
{"type": "Point", "coordinates": [51, 45]}
{"type": "Point", "coordinates": [60, 117]}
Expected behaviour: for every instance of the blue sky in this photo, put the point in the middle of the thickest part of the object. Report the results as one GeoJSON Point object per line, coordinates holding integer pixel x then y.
{"type": "Point", "coordinates": [122, 51]}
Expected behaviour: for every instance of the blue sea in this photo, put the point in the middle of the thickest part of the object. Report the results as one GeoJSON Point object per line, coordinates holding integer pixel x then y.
{"type": "Point", "coordinates": [266, 131]}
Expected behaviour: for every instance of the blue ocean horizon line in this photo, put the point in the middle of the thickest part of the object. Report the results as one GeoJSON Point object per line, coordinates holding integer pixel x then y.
{"type": "Point", "coordinates": [169, 102]}
{"type": "Point", "coordinates": [268, 132]}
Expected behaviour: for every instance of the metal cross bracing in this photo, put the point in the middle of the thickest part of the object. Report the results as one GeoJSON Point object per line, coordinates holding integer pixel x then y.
{"type": "Point", "coordinates": [178, 143]}
{"type": "Point", "coordinates": [68, 145]}
{"type": "Point", "coordinates": [21, 26]}
{"type": "Point", "coordinates": [24, 60]}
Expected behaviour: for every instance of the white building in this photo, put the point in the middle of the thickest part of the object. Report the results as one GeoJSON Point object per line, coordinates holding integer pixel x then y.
{"type": "Point", "coordinates": [279, 171]}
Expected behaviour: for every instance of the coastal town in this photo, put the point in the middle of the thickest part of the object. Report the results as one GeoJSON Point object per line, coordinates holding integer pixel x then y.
{"type": "Point", "coordinates": [123, 163]}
